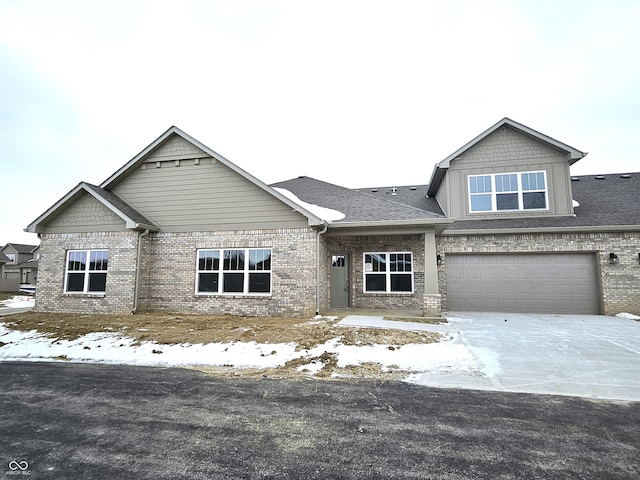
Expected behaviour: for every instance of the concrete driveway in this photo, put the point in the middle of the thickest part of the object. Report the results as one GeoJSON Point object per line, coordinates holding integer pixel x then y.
{"type": "Point", "coordinates": [580, 355]}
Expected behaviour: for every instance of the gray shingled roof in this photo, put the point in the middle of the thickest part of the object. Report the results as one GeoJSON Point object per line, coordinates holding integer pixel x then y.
{"type": "Point", "coordinates": [412, 195]}
{"type": "Point", "coordinates": [611, 200]}
{"type": "Point", "coordinates": [3, 258]}
{"type": "Point", "coordinates": [356, 205]}
{"type": "Point", "coordinates": [22, 248]}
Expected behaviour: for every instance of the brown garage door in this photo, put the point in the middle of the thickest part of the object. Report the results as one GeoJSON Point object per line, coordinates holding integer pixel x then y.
{"type": "Point", "coordinates": [542, 283]}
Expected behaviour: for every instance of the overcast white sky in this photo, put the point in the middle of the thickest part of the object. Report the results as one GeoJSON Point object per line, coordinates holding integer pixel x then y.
{"type": "Point", "coordinates": [358, 93]}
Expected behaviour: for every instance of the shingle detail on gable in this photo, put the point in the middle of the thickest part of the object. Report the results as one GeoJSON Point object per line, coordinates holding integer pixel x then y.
{"type": "Point", "coordinates": [86, 211]}
{"type": "Point", "coordinates": [175, 146]}
{"type": "Point", "coordinates": [501, 147]}
{"type": "Point", "coordinates": [507, 144]}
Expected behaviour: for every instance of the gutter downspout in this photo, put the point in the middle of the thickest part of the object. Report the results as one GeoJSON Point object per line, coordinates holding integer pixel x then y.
{"type": "Point", "coordinates": [136, 292]}
{"type": "Point", "coordinates": [318, 233]}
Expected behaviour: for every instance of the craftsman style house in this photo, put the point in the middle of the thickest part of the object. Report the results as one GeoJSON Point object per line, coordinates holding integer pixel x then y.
{"type": "Point", "coordinates": [501, 226]}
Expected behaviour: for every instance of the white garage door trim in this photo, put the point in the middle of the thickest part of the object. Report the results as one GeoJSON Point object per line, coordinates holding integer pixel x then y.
{"type": "Point", "coordinates": [527, 283]}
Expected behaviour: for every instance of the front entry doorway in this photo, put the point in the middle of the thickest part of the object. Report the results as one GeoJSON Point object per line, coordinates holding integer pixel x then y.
{"type": "Point", "coordinates": [339, 280]}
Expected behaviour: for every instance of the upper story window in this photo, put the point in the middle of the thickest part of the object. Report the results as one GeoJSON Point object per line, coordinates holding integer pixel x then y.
{"type": "Point", "coordinates": [86, 271]}
{"type": "Point", "coordinates": [508, 191]}
{"type": "Point", "coordinates": [388, 272]}
{"type": "Point", "coordinates": [234, 271]}
{"type": "Point", "coordinates": [11, 257]}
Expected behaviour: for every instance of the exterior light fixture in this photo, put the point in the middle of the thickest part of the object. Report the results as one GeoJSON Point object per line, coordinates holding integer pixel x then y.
{"type": "Point", "coordinates": [613, 258]}
{"type": "Point", "coordinates": [439, 259]}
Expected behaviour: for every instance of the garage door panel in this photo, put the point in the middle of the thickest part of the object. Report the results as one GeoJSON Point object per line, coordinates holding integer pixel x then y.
{"type": "Point", "coordinates": [545, 283]}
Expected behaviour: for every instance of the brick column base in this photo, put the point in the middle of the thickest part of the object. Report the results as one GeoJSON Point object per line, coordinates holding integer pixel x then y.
{"type": "Point", "coordinates": [432, 305]}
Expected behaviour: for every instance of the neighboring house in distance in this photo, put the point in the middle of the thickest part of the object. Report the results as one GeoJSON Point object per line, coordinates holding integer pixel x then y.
{"type": "Point", "coordinates": [3, 260]}
{"type": "Point", "coordinates": [501, 226]}
{"type": "Point", "coordinates": [15, 270]}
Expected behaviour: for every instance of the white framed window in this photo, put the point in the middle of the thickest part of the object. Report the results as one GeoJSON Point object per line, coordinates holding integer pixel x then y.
{"type": "Point", "coordinates": [11, 257]}
{"type": "Point", "coordinates": [86, 271]}
{"type": "Point", "coordinates": [388, 272]}
{"type": "Point", "coordinates": [508, 192]}
{"type": "Point", "coordinates": [244, 271]}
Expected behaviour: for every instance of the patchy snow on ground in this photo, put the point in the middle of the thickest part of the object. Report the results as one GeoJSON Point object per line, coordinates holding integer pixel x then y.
{"type": "Point", "coordinates": [111, 347]}
{"type": "Point", "coordinates": [629, 316]}
{"type": "Point", "coordinates": [18, 301]}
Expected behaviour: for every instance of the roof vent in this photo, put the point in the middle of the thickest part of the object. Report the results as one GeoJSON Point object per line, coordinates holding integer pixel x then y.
{"type": "Point", "coordinates": [394, 191]}
{"type": "Point", "coordinates": [599, 177]}
{"type": "Point", "coordinates": [625, 176]}
{"type": "Point", "coordinates": [374, 190]}
{"type": "Point", "coordinates": [412, 188]}
{"type": "Point", "coordinates": [575, 179]}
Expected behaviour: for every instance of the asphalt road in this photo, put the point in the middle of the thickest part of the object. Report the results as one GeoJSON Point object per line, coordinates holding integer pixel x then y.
{"type": "Point", "coordinates": [84, 421]}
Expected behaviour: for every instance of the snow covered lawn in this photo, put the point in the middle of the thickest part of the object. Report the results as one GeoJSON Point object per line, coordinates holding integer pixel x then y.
{"type": "Point", "coordinates": [321, 347]}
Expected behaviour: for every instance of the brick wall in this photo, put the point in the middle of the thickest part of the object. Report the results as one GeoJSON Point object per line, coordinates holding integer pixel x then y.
{"type": "Point", "coordinates": [356, 247]}
{"type": "Point", "coordinates": [169, 273]}
{"type": "Point", "coordinates": [169, 266]}
{"type": "Point", "coordinates": [118, 298]}
{"type": "Point", "coordinates": [619, 284]}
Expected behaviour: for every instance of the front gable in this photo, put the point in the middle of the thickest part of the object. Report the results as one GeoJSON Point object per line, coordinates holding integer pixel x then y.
{"type": "Point", "coordinates": [182, 185]}
{"type": "Point", "coordinates": [508, 171]}
{"type": "Point", "coordinates": [85, 214]}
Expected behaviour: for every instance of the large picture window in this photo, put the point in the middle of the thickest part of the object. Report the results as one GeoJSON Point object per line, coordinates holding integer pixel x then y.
{"type": "Point", "coordinates": [86, 271]}
{"type": "Point", "coordinates": [234, 271]}
{"type": "Point", "coordinates": [508, 192]}
{"type": "Point", "coordinates": [388, 272]}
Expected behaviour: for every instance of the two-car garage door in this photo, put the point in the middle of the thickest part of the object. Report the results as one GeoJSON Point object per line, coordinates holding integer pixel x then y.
{"type": "Point", "coordinates": [540, 283]}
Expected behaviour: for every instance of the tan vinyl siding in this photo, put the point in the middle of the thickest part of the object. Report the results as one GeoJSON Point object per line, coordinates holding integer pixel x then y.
{"type": "Point", "coordinates": [86, 214]}
{"type": "Point", "coordinates": [508, 151]}
{"type": "Point", "coordinates": [203, 194]}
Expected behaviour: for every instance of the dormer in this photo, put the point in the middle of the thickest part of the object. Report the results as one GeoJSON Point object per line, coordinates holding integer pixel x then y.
{"type": "Point", "coordinates": [508, 171]}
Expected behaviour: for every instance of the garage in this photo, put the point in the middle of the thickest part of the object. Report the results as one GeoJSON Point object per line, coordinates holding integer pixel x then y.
{"type": "Point", "coordinates": [540, 283]}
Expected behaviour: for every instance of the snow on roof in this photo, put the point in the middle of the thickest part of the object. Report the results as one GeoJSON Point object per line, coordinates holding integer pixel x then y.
{"type": "Point", "coordinates": [324, 213]}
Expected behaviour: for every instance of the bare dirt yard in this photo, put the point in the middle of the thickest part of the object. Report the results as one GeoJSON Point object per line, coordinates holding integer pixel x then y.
{"type": "Point", "coordinates": [165, 328]}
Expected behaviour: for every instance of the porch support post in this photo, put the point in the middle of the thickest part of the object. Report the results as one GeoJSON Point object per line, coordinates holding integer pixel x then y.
{"type": "Point", "coordinates": [432, 299]}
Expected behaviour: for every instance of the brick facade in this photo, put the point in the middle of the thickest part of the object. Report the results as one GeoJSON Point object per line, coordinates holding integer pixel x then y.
{"type": "Point", "coordinates": [118, 297]}
{"type": "Point", "coordinates": [169, 279]}
{"type": "Point", "coordinates": [619, 283]}
{"type": "Point", "coordinates": [356, 246]}
{"type": "Point", "coordinates": [169, 273]}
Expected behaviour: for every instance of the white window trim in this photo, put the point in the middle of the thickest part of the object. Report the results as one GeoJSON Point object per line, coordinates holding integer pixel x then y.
{"type": "Point", "coordinates": [220, 271]}
{"type": "Point", "coordinates": [387, 273]}
{"type": "Point", "coordinates": [87, 272]}
{"type": "Point", "coordinates": [520, 192]}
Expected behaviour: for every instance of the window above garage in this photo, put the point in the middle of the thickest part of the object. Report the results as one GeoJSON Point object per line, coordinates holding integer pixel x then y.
{"type": "Point", "coordinates": [522, 191]}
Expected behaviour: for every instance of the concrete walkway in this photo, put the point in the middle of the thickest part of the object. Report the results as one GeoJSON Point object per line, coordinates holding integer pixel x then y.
{"type": "Point", "coordinates": [578, 355]}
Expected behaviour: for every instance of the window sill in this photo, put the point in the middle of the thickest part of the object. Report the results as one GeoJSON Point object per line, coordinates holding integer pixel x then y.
{"type": "Point", "coordinates": [83, 295]}
{"type": "Point", "coordinates": [388, 294]}
{"type": "Point", "coordinates": [233, 295]}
